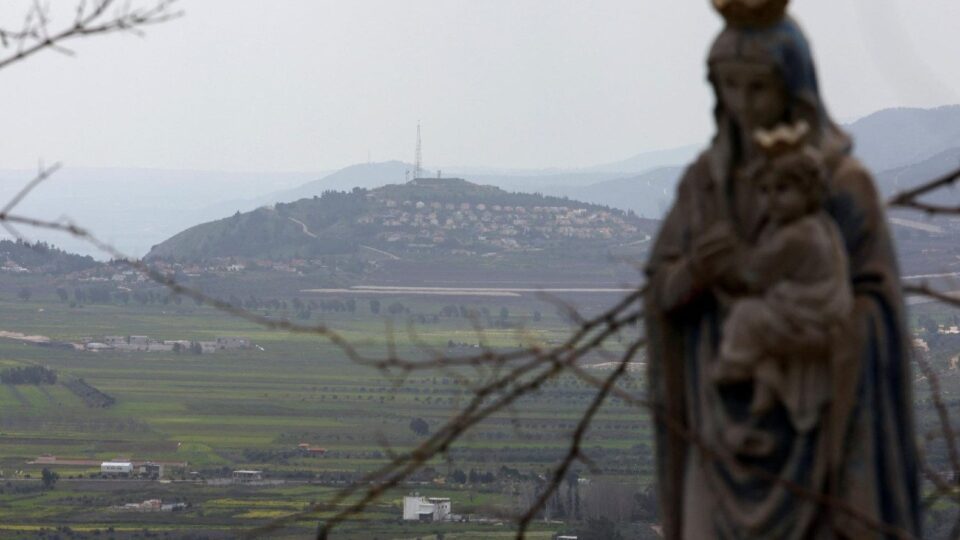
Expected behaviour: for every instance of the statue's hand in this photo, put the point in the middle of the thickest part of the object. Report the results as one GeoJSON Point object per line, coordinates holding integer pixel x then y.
{"type": "Point", "coordinates": [713, 259]}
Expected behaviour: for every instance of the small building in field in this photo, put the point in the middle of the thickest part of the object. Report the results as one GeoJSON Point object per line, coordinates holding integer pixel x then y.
{"type": "Point", "coordinates": [150, 470]}
{"type": "Point", "coordinates": [310, 450]}
{"type": "Point", "coordinates": [159, 346]}
{"type": "Point", "coordinates": [246, 477]}
{"type": "Point", "coordinates": [233, 343]}
{"type": "Point", "coordinates": [417, 508]}
{"type": "Point", "coordinates": [116, 468]}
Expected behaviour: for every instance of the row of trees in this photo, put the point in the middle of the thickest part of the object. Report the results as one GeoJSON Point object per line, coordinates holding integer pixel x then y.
{"type": "Point", "coordinates": [28, 375]}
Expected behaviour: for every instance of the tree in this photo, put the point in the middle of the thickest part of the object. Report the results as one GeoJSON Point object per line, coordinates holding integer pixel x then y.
{"type": "Point", "coordinates": [458, 477]}
{"type": "Point", "coordinates": [375, 307]}
{"type": "Point", "coordinates": [24, 294]}
{"type": "Point", "coordinates": [49, 478]}
{"type": "Point", "coordinates": [929, 325]}
{"type": "Point", "coordinates": [420, 427]}
{"type": "Point", "coordinates": [63, 294]}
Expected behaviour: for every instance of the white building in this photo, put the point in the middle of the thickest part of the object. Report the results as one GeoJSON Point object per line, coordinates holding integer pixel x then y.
{"type": "Point", "coordinates": [116, 467]}
{"type": "Point", "coordinates": [246, 477]}
{"type": "Point", "coordinates": [416, 508]}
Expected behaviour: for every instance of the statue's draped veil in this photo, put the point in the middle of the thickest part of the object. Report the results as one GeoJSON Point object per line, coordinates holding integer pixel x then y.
{"type": "Point", "coordinates": [783, 47]}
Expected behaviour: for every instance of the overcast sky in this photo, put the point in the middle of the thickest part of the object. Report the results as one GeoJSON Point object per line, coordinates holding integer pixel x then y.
{"type": "Point", "coordinates": [311, 85]}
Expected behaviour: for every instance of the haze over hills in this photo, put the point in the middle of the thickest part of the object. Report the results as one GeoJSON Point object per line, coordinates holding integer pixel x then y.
{"type": "Point", "coordinates": [137, 208]}
{"type": "Point", "coordinates": [894, 138]}
{"type": "Point", "coordinates": [888, 139]}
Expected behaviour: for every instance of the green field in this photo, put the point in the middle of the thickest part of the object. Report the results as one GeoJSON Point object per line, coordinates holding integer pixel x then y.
{"type": "Point", "coordinates": [250, 409]}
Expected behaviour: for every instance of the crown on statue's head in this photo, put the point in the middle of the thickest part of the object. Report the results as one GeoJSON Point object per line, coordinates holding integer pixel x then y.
{"type": "Point", "coordinates": [751, 13]}
{"type": "Point", "coordinates": [783, 138]}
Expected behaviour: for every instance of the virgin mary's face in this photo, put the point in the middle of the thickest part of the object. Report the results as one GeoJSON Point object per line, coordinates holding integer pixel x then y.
{"type": "Point", "coordinates": [752, 93]}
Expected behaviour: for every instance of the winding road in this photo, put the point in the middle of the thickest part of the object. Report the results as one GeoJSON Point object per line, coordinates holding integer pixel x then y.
{"type": "Point", "coordinates": [308, 232]}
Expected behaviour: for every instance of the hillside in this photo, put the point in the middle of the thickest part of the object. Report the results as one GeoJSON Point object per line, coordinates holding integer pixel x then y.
{"type": "Point", "coordinates": [426, 216]}
{"type": "Point", "coordinates": [18, 257]}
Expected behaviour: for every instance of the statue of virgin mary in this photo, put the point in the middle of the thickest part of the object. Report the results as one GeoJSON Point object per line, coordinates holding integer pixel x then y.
{"type": "Point", "coordinates": [726, 471]}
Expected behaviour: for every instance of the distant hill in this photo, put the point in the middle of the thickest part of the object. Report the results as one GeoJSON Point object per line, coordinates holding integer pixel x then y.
{"type": "Point", "coordinates": [888, 139]}
{"type": "Point", "coordinates": [648, 161]}
{"type": "Point", "coordinates": [364, 175]}
{"type": "Point", "coordinates": [18, 257]}
{"type": "Point", "coordinates": [902, 178]}
{"type": "Point", "coordinates": [649, 194]}
{"type": "Point", "coordinates": [374, 175]}
{"type": "Point", "coordinates": [894, 138]}
{"type": "Point", "coordinates": [440, 216]}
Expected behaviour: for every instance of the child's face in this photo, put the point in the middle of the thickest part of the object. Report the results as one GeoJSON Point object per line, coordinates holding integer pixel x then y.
{"type": "Point", "coordinates": [782, 199]}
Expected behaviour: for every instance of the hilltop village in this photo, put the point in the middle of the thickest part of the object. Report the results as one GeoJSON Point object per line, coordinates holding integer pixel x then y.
{"type": "Point", "coordinates": [497, 226]}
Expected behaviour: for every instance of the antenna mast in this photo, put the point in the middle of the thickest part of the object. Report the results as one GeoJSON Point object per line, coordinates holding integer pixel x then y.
{"type": "Point", "coordinates": [418, 166]}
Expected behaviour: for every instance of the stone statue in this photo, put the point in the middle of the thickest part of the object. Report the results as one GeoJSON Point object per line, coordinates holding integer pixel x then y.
{"type": "Point", "coordinates": [778, 346]}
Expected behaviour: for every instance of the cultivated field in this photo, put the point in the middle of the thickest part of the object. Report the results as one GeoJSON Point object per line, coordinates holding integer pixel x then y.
{"type": "Point", "coordinates": [251, 409]}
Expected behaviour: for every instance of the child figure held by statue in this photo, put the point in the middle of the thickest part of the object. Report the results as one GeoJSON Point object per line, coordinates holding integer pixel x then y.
{"type": "Point", "coordinates": [780, 334]}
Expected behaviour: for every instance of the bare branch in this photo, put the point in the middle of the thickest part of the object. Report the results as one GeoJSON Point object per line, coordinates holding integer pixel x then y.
{"type": "Point", "coordinates": [911, 198]}
{"type": "Point", "coordinates": [36, 36]}
{"type": "Point", "coordinates": [574, 453]}
{"type": "Point", "coordinates": [924, 289]}
{"type": "Point", "coordinates": [42, 175]}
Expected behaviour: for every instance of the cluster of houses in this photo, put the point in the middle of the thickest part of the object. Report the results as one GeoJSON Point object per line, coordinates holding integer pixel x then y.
{"type": "Point", "coordinates": [13, 268]}
{"type": "Point", "coordinates": [507, 227]}
{"type": "Point", "coordinates": [148, 344]}
{"type": "Point", "coordinates": [227, 266]}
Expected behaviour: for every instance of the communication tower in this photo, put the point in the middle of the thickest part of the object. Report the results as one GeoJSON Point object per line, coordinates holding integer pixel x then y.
{"type": "Point", "coordinates": [418, 160]}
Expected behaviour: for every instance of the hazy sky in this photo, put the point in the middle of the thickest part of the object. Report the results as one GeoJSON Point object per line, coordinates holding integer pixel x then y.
{"type": "Point", "coordinates": [312, 85]}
